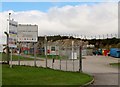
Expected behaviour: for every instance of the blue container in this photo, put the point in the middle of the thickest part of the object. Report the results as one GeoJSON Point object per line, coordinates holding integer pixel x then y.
{"type": "Point", "coordinates": [115, 52]}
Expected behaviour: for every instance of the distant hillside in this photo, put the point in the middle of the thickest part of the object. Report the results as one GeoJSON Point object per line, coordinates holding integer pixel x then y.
{"type": "Point", "coordinates": [55, 38]}
{"type": "Point", "coordinates": [99, 43]}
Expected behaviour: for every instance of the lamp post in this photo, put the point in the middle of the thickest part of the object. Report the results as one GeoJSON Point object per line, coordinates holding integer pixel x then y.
{"type": "Point", "coordinates": [7, 47]}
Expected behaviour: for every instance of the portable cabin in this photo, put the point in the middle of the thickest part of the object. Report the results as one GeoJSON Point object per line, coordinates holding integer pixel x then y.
{"type": "Point", "coordinates": [52, 50]}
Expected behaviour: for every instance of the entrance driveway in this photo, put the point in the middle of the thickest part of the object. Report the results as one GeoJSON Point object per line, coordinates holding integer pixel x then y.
{"type": "Point", "coordinates": [99, 67]}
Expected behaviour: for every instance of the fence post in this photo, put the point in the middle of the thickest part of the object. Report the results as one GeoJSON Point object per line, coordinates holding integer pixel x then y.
{"type": "Point", "coordinates": [66, 58]}
{"type": "Point", "coordinates": [80, 59]}
{"type": "Point", "coordinates": [60, 63]}
{"type": "Point", "coordinates": [53, 60]}
{"type": "Point", "coordinates": [11, 59]}
{"type": "Point", "coordinates": [60, 55]}
{"type": "Point", "coordinates": [73, 53]}
{"type": "Point", "coordinates": [46, 50]}
{"type": "Point", "coordinates": [34, 55]}
{"type": "Point", "coordinates": [19, 55]}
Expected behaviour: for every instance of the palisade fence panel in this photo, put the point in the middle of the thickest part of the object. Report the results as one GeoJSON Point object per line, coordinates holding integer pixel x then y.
{"type": "Point", "coordinates": [67, 60]}
{"type": "Point", "coordinates": [68, 53]}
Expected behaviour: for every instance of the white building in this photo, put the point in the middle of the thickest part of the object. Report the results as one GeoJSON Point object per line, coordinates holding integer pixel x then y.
{"type": "Point", "coordinates": [52, 50]}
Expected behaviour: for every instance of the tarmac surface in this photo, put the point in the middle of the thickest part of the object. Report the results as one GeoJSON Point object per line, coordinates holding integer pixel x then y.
{"type": "Point", "coordinates": [97, 66]}
{"type": "Point", "coordinates": [104, 74]}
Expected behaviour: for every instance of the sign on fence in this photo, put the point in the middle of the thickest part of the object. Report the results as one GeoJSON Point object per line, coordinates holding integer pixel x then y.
{"type": "Point", "coordinates": [13, 25]}
{"type": "Point", "coordinates": [27, 33]}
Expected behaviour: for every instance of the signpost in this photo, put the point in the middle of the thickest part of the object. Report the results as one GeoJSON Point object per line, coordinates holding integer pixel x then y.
{"type": "Point", "coordinates": [11, 59]}
{"type": "Point", "coordinates": [12, 36]}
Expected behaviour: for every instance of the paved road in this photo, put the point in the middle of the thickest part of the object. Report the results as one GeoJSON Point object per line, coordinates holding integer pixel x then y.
{"type": "Point", "coordinates": [98, 66]}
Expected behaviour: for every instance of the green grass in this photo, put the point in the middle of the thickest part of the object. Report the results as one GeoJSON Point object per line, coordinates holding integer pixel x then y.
{"type": "Point", "coordinates": [54, 56]}
{"type": "Point", "coordinates": [14, 57]}
{"type": "Point", "coordinates": [25, 75]}
{"type": "Point", "coordinates": [115, 64]}
{"type": "Point", "coordinates": [50, 56]}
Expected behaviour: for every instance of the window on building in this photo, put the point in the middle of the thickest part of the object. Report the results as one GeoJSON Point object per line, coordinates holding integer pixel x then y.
{"type": "Point", "coordinates": [52, 48]}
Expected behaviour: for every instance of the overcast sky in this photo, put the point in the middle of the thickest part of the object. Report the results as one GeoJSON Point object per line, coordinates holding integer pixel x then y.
{"type": "Point", "coordinates": [78, 18]}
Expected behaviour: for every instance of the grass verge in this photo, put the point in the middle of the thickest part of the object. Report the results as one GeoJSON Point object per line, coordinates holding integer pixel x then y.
{"type": "Point", "coordinates": [54, 56]}
{"type": "Point", "coordinates": [115, 64]}
{"type": "Point", "coordinates": [14, 57]}
{"type": "Point", "coordinates": [24, 75]}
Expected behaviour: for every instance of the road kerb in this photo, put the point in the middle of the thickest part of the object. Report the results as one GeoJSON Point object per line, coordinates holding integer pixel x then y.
{"type": "Point", "coordinates": [89, 83]}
